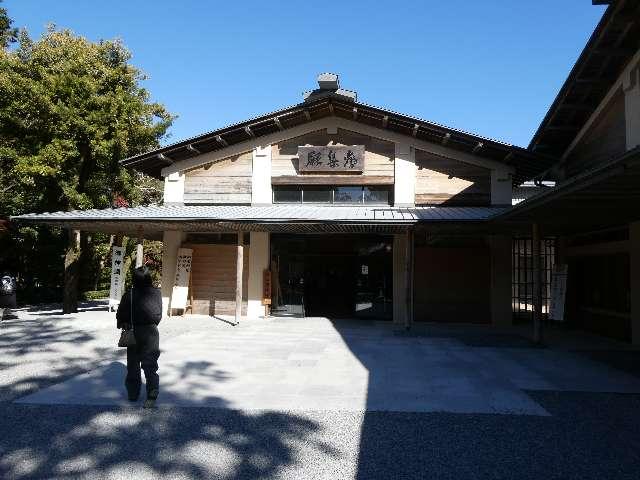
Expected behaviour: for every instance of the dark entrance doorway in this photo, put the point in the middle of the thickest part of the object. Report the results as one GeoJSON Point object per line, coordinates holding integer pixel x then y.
{"type": "Point", "coordinates": [333, 275]}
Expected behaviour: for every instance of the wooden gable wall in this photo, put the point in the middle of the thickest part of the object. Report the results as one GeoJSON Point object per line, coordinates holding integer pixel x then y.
{"type": "Point", "coordinates": [444, 181]}
{"type": "Point", "coordinates": [379, 154]}
{"type": "Point", "coordinates": [605, 140]}
{"type": "Point", "coordinates": [225, 181]}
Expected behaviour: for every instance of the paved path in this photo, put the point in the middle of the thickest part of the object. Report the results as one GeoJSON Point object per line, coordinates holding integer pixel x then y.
{"type": "Point", "coordinates": [291, 398]}
{"type": "Point", "coordinates": [314, 364]}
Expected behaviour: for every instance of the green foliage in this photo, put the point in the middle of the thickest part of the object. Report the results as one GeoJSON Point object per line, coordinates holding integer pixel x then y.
{"type": "Point", "coordinates": [95, 294]}
{"type": "Point", "coordinates": [8, 34]}
{"type": "Point", "coordinates": [70, 110]}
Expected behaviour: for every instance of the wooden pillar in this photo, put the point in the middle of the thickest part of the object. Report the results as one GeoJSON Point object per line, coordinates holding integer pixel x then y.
{"type": "Point", "coordinates": [537, 284]}
{"type": "Point", "coordinates": [239, 261]}
{"type": "Point", "coordinates": [140, 249]}
{"type": "Point", "coordinates": [409, 274]}
{"type": "Point", "coordinates": [634, 284]}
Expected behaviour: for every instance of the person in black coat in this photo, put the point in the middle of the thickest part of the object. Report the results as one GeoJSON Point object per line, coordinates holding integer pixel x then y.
{"type": "Point", "coordinates": [7, 294]}
{"type": "Point", "coordinates": [147, 313]}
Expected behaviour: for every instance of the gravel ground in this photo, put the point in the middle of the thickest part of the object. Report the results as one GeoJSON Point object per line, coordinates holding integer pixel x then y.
{"type": "Point", "coordinates": [587, 436]}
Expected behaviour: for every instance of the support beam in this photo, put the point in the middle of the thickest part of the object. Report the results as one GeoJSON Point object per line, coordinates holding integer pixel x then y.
{"type": "Point", "coordinates": [249, 131]}
{"type": "Point", "coordinates": [193, 149]}
{"type": "Point", "coordinates": [277, 121]}
{"type": "Point", "coordinates": [221, 141]}
{"type": "Point", "coordinates": [258, 263]}
{"type": "Point", "coordinates": [477, 148]}
{"type": "Point", "coordinates": [537, 285]}
{"type": "Point", "coordinates": [409, 273]}
{"type": "Point", "coordinates": [385, 121]}
{"type": "Point", "coordinates": [239, 263]}
{"type": "Point", "coordinates": [163, 158]}
{"type": "Point", "coordinates": [446, 138]}
{"type": "Point", "coordinates": [400, 277]}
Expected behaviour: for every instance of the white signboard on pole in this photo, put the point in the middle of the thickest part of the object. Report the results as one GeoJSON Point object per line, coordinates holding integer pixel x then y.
{"type": "Point", "coordinates": [117, 277]}
{"type": "Point", "coordinates": [181, 282]}
{"type": "Point", "coordinates": [558, 292]}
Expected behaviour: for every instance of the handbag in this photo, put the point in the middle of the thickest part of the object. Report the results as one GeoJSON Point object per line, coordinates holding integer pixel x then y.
{"type": "Point", "coordinates": [127, 337]}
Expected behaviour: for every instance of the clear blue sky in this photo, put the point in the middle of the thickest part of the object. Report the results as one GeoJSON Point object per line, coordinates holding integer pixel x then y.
{"type": "Point", "coordinates": [491, 67]}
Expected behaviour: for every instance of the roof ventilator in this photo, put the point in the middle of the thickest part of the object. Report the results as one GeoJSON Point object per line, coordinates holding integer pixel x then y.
{"type": "Point", "coordinates": [329, 86]}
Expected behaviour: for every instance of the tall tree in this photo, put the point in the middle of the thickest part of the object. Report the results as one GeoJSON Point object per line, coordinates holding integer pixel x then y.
{"type": "Point", "coordinates": [70, 110]}
{"type": "Point", "coordinates": [8, 34]}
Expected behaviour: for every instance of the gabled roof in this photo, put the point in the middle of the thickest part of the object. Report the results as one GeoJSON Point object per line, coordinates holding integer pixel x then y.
{"type": "Point", "coordinates": [526, 163]}
{"type": "Point", "coordinates": [613, 43]}
{"type": "Point", "coordinates": [605, 196]}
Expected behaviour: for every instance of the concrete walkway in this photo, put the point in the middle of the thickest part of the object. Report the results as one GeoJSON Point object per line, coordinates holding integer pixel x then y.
{"type": "Point", "coordinates": [314, 364]}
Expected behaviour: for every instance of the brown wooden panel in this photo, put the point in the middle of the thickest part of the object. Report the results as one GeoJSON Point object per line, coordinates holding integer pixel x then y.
{"type": "Point", "coordinates": [454, 284]}
{"type": "Point", "coordinates": [441, 180]}
{"type": "Point", "coordinates": [331, 180]}
{"type": "Point", "coordinates": [226, 181]}
{"type": "Point", "coordinates": [467, 199]}
{"type": "Point", "coordinates": [209, 198]}
{"type": "Point", "coordinates": [213, 278]}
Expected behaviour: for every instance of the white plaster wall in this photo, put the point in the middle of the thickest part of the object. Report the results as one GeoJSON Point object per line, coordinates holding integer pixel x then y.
{"type": "Point", "coordinates": [261, 176]}
{"type": "Point", "coordinates": [174, 188]}
{"type": "Point", "coordinates": [501, 187]}
{"type": "Point", "coordinates": [631, 86]}
{"type": "Point", "coordinates": [258, 263]}
{"type": "Point", "coordinates": [404, 193]}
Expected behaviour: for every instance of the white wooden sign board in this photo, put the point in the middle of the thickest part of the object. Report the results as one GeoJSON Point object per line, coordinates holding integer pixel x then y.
{"type": "Point", "coordinates": [558, 292]}
{"type": "Point", "coordinates": [181, 282]}
{"type": "Point", "coordinates": [117, 277]}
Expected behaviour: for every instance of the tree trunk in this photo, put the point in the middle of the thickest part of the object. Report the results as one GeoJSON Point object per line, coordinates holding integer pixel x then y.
{"type": "Point", "coordinates": [106, 258]}
{"type": "Point", "coordinates": [71, 273]}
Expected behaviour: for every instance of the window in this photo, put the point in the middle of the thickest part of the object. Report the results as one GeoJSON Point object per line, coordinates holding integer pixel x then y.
{"type": "Point", "coordinates": [347, 195]}
{"type": "Point", "coordinates": [376, 195]}
{"type": "Point", "coordinates": [328, 194]}
{"type": "Point", "coordinates": [317, 195]}
{"type": "Point", "coordinates": [287, 195]}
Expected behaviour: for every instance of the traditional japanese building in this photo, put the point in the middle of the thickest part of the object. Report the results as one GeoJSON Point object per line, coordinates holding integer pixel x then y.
{"type": "Point", "coordinates": [333, 207]}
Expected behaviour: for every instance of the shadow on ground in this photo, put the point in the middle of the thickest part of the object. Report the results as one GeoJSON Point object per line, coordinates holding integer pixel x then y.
{"type": "Point", "coordinates": [587, 435]}
{"type": "Point", "coordinates": [93, 442]}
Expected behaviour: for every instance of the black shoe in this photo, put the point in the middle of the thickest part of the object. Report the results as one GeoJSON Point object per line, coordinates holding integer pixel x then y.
{"type": "Point", "coordinates": [149, 403]}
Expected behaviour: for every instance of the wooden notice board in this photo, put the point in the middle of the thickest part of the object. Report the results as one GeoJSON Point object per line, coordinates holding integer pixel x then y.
{"type": "Point", "coordinates": [181, 283]}
{"type": "Point", "coordinates": [266, 287]}
{"type": "Point", "coordinates": [334, 158]}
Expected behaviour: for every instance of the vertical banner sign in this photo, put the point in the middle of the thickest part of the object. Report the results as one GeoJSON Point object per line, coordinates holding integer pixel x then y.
{"type": "Point", "coordinates": [181, 283]}
{"type": "Point", "coordinates": [117, 277]}
{"type": "Point", "coordinates": [558, 292]}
